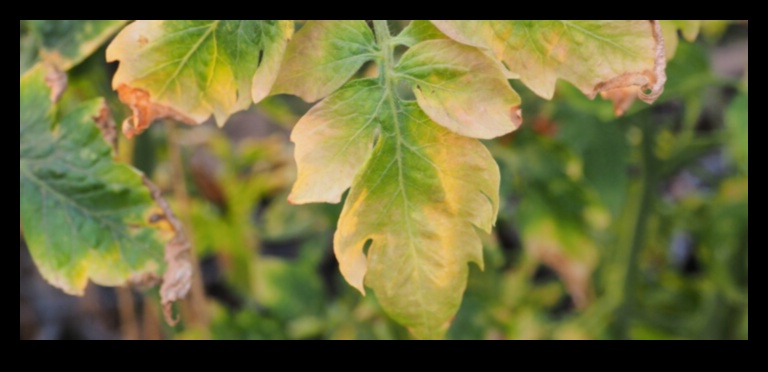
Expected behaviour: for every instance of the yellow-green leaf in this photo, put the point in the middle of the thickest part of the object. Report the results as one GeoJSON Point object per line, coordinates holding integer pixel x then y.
{"type": "Point", "coordinates": [84, 215]}
{"type": "Point", "coordinates": [323, 56]}
{"type": "Point", "coordinates": [418, 31]}
{"type": "Point", "coordinates": [420, 193]}
{"type": "Point", "coordinates": [190, 70]}
{"type": "Point", "coordinates": [595, 56]}
{"type": "Point", "coordinates": [419, 200]}
{"type": "Point", "coordinates": [333, 140]}
{"type": "Point", "coordinates": [461, 89]}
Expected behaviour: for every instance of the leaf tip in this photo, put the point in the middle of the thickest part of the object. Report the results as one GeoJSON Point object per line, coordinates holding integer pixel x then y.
{"type": "Point", "coordinates": [646, 85]}
{"type": "Point", "coordinates": [359, 287]}
{"type": "Point", "coordinates": [145, 112]}
{"type": "Point", "coordinates": [300, 197]}
{"type": "Point", "coordinates": [291, 200]}
{"type": "Point", "coordinates": [56, 80]}
{"type": "Point", "coordinates": [622, 98]}
{"type": "Point", "coordinates": [106, 124]}
{"type": "Point", "coordinates": [517, 116]}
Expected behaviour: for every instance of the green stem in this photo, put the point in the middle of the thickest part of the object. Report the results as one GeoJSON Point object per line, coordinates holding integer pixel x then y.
{"type": "Point", "coordinates": [647, 193]}
{"type": "Point", "coordinates": [384, 39]}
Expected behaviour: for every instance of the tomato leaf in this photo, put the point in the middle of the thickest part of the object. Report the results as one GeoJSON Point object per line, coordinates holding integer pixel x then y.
{"type": "Point", "coordinates": [66, 43]}
{"type": "Point", "coordinates": [190, 70]}
{"type": "Point", "coordinates": [460, 88]}
{"type": "Point", "coordinates": [419, 192]}
{"type": "Point", "coordinates": [323, 56]}
{"type": "Point", "coordinates": [84, 215]}
{"type": "Point", "coordinates": [595, 56]}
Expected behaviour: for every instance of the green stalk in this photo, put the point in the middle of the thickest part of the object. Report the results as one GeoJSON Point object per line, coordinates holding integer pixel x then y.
{"type": "Point", "coordinates": [384, 39]}
{"type": "Point", "coordinates": [647, 193]}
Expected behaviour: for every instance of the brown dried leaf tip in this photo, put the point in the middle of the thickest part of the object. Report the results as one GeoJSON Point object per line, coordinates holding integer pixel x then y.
{"type": "Point", "coordinates": [177, 280]}
{"type": "Point", "coordinates": [517, 116]}
{"type": "Point", "coordinates": [145, 111]}
{"type": "Point", "coordinates": [622, 98]}
{"type": "Point", "coordinates": [106, 124]}
{"type": "Point", "coordinates": [646, 85]}
{"type": "Point", "coordinates": [56, 80]}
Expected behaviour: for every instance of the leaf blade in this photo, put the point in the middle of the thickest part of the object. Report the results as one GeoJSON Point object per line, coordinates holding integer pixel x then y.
{"type": "Point", "coordinates": [192, 70]}
{"type": "Point", "coordinates": [66, 43]}
{"type": "Point", "coordinates": [333, 140]}
{"type": "Point", "coordinates": [461, 88]}
{"type": "Point", "coordinates": [418, 31]}
{"type": "Point", "coordinates": [420, 211]}
{"type": "Point", "coordinates": [323, 56]}
{"type": "Point", "coordinates": [85, 216]}
{"type": "Point", "coordinates": [595, 56]}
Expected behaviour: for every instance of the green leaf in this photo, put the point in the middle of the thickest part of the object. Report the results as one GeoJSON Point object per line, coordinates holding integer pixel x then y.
{"type": "Point", "coordinates": [323, 56]}
{"type": "Point", "coordinates": [419, 193]}
{"type": "Point", "coordinates": [66, 43]}
{"type": "Point", "coordinates": [461, 88]}
{"type": "Point", "coordinates": [689, 29]}
{"type": "Point", "coordinates": [84, 215]}
{"type": "Point", "coordinates": [595, 56]}
{"type": "Point", "coordinates": [190, 70]}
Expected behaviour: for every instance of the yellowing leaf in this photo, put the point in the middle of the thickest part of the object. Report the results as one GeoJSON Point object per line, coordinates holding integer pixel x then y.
{"type": "Point", "coordinates": [334, 139]}
{"type": "Point", "coordinates": [190, 70]}
{"type": "Point", "coordinates": [461, 89]}
{"type": "Point", "coordinates": [84, 216]}
{"type": "Point", "coordinates": [323, 56]}
{"type": "Point", "coordinates": [419, 193]}
{"type": "Point", "coordinates": [418, 31]}
{"type": "Point", "coordinates": [595, 56]}
{"type": "Point", "coordinates": [419, 199]}
{"type": "Point", "coordinates": [421, 30]}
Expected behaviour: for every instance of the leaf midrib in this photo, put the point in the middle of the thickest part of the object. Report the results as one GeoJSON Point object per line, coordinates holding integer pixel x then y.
{"type": "Point", "coordinates": [388, 72]}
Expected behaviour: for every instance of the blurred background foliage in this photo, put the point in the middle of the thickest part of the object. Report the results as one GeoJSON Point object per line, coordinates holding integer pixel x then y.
{"type": "Point", "coordinates": [611, 228]}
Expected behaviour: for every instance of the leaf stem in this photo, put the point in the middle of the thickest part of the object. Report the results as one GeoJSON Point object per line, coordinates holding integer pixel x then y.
{"type": "Point", "coordinates": [386, 65]}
